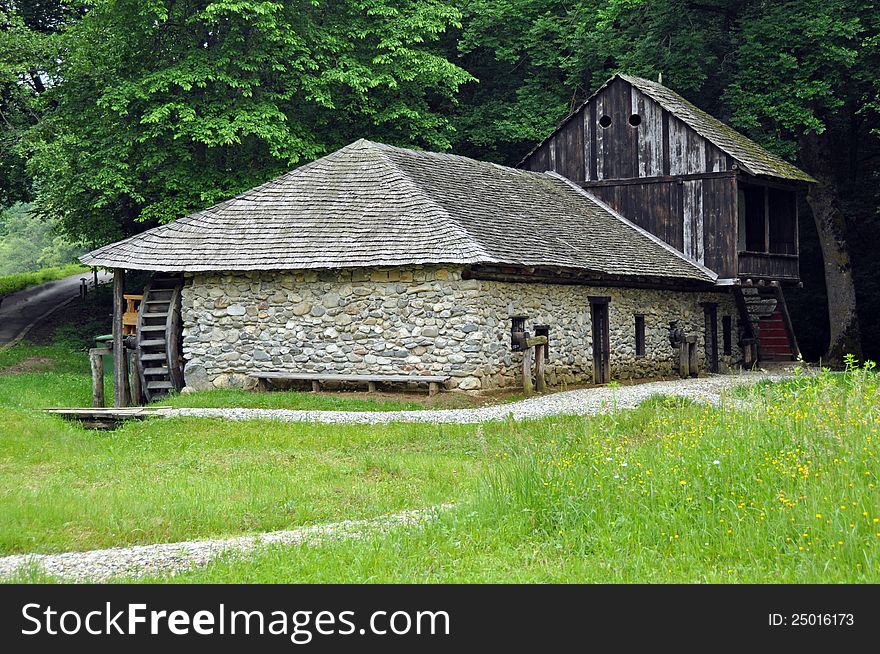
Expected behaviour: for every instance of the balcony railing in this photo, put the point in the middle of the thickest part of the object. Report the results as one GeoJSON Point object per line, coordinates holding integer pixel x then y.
{"type": "Point", "coordinates": [769, 266]}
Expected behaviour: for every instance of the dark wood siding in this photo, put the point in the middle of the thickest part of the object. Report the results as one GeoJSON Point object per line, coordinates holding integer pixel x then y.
{"type": "Point", "coordinates": [689, 194]}
{"type": "Point", "coordinates": [691, 215]}
{"type": "Point", "coordinates": [660, 144]}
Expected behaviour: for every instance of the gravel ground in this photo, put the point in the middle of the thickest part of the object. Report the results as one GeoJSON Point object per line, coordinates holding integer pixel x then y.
{"type": "Point", "coordinates": [172, 558]}
{"type": "Point", "coordinates": [585, 402]}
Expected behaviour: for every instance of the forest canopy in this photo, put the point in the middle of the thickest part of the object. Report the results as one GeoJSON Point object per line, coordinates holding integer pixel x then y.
{"type": "Point", "coordinates": [118, 115]}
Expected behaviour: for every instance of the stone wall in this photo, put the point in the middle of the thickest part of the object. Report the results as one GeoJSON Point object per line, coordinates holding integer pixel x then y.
{"type": "Point", "coordinates": [421, 319]}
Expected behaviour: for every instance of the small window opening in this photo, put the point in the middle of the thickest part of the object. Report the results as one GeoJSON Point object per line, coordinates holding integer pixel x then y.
{"type": "Point", "coordinates": [727, 334]}
{"type": "Point", "coordinates": [635, 120]}
{"type": "Point", "coordinates": [640, 336]}
{"type": "Point", "coordinates": [605, 121]}
{"type": "Point", "coordinates": [518, 333]}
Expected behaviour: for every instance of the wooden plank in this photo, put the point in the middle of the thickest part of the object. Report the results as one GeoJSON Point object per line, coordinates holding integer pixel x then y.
{"type": "Point", "coordinates": [696, 152]}
{"type": "Point", "coordinates": [593, 127]}
{"type": "Point", "coordinates": [692, 220]}
{"type": "Point", "coordinates": [650, 134]}
{"type": "Point", "coordinates": [305, 376]}
{"type": "Point", "coordinates": [677, 147]}
{"type": "Point", "coordinates": [120, 372]}
{"type": "Point", "coordinates": [603, 170]}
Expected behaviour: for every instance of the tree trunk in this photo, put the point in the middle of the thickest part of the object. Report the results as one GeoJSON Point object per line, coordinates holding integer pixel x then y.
{"type": "Point", "coordinates": [845, 337]}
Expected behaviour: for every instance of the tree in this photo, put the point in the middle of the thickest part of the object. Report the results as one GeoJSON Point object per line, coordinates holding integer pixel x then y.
{"type": "Point", "coordinates": [159, 108]}
{"type": "Point", "coordinates": [800, 84]}
{"type": "Point", "coordinates": [798, 76]}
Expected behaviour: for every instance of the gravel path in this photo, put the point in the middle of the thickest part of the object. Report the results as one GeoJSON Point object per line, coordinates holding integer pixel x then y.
{"type": "Point", "coordinates": [172, 558]}
{"type": "Point", "coordinates": [585, 402]}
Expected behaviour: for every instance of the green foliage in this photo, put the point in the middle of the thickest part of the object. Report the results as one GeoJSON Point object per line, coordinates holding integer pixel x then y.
{"type": "Point", "coordinates": [20, 281]}
{"type": "Point", "coordinates": [161, 108]}
{"type": "Point", "coordinates": [29, 242]}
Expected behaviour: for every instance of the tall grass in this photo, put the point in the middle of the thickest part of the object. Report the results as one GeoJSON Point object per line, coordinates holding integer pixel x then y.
{"type": "Point", "coordinates": [20, 281]}
{"type": "Point", "coordinates": [671, 491]}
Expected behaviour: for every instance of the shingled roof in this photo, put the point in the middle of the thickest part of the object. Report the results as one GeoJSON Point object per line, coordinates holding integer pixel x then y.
{"type": "Point", "coordinates": [370, 204]}
{"type": "Point", "coordinates": [750, 156]}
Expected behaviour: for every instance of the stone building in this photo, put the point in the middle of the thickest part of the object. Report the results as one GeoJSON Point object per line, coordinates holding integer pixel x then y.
{"type": "Point", "coordinates": [377, 260]}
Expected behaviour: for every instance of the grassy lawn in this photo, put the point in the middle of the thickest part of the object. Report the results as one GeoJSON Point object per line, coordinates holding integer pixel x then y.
{"type": "Point", "coordinates": [670, 492]}
{"type": "Point", "coordinates": [66, 488]}
{"type": "Point", "coordinates": [786, 492]}
{"type": "Point", "coordinates": [20, 281]}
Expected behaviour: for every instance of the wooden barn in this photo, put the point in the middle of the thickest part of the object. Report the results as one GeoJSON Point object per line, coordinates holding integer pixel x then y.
{"type": "Point", "coordinates": [707, 190]}
{"type": "Point", "coordinates": [642, 238]}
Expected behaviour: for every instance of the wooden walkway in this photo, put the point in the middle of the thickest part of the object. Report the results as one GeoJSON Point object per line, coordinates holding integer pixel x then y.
{"type": "Point", "coordinates": [99, 418]}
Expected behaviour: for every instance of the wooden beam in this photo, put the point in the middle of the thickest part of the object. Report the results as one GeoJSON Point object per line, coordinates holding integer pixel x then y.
{"type": "Point", "coordinates": [120, 373]}
{"type": "Point", "coordinates": [528, 386]}
{"type": "Point", "coordinates": [96, 359]}
{"type": "Point", "coordinates": [540, 383]}
{"type": "Point", "coordinates": [137, 394]}
{"type": "Point", "coordinates": [664, 179]}
{"type": "Point", "coordinates": [766, 220]}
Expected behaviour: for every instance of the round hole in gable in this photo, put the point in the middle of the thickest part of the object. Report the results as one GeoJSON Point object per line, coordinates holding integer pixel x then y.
{"type": "Point", "coordinates": [605, 121]}
{"type": "Point", "coordinates": [635, 120]}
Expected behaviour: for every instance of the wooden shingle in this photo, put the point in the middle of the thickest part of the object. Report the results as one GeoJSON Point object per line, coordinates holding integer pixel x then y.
{"type": "Point", "coordinates": [370, 204]}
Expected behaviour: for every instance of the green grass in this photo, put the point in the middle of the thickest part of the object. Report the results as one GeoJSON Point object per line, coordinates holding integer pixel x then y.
{"type": "Point", "coordinates": [670, 492]}
{"type": "Point", "coordinates": [20, 281]}
{"type": "Point", "coordinates": [66, 488]}
{"type": "Point", "coordinates": [632, 496]}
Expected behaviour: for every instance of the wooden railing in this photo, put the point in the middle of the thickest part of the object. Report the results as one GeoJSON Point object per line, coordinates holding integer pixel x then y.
{"type": "Point", "coordinates": [768, 266]}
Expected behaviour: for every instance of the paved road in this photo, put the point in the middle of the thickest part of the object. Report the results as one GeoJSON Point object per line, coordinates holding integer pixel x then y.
{"type": "Point", "coordinates": [19, 310]}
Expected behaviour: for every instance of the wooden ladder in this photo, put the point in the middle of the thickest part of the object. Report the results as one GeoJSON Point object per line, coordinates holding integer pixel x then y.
{"type": "Point", "coordinates": [158, 338]}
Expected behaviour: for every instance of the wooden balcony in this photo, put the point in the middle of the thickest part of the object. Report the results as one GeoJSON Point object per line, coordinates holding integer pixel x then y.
{"type": "Point", "coordinates": [763, 265]}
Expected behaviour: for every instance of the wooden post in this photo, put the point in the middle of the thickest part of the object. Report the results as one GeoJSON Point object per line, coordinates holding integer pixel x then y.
{"type": "Point", "coordinates": [683, 359]}
{"type": "Point", "coordinates": [528, 386]}
{"type": "Point", "coordinates": [120, 372]}
{"type": "Point", "coordinates": [693, 362]}
{"type": "Point", "coordinates": [540, 382]}
{"type": "Point", "coordinates": [96, 358]}
{"type": "Point", "coordinates": [95, 276]}
{"type": "Point", "coordinates": [137, 395]}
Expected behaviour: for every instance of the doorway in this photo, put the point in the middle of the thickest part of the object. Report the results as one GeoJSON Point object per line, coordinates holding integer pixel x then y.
{"type": "Point", "coordinates": [601, 341]}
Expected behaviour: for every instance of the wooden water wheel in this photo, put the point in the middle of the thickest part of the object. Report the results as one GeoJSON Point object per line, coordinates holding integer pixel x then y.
{"type": "Point", "coordinates": [159, 337]}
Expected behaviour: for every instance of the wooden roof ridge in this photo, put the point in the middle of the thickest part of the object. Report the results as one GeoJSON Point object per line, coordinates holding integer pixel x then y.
{"type": "Point", "coordinates": [478, 252]}
{"type": "Point", "coordinates": [753, 158]}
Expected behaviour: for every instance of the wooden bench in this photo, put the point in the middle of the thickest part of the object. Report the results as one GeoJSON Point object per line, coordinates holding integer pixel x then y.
{"type": "Point", "coordinates": [317, 379]}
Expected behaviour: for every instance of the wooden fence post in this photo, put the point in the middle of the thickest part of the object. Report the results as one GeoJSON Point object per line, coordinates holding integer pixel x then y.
{"type": "Point", "coordinates": [137, 395]}
{"type": "Point", "coordinates": [683, 359]}
{"type": "Point", "coordinates": [96, 358]}
{"type": "Point", "coordinates": [528, 386]}
{"type": "Point", "coordinates": [540, 382]}
{"type": "Point", "coordinates": [693, 361]}
{"type": "Point", "coordinates": [120, 369]}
